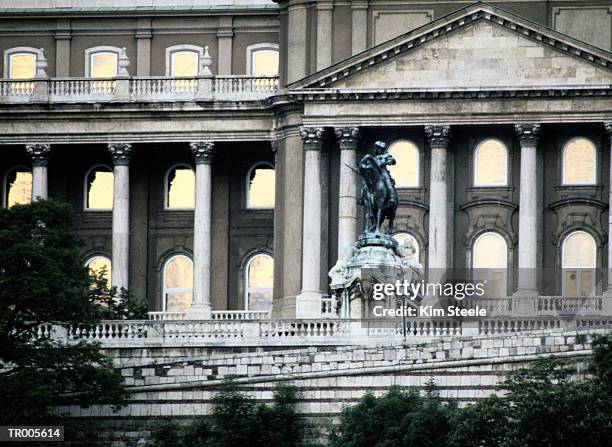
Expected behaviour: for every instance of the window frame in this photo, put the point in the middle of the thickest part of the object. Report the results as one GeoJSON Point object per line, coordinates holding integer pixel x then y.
{"type": "Point", "coordinates": [247, 186]}
{"type": "Point", "coordinates": [418, 164]}
{"type": "Point", "coordinates": [90, 258]}
{"type": "Point", "coordinates": [245, 273]}
{"type": "Point", "coordinates": [179, 48]}
{"type": "Point", "coordinates": [164, 289]}
{"type": "Point", "coordinates": [90, 52]}
{"type": "Point", "coordinates": [564, 148]}
{"type": "Point", "coordinates": [9, 52]}
{"type": "Point", "coordinates": [580, 269]}
{"type": "Point", "coordinates": [475, 165]}
{"type": "Point", "coordinates": [86, 189]}
{"type": "Point", "coordinates": [5, 190]}
{"type": "Point", "coordinates": [250, 53]}
{"type": "Point", "coordinates": [490, 271]}
{"type": "Point", "coordinates": [167, 189]}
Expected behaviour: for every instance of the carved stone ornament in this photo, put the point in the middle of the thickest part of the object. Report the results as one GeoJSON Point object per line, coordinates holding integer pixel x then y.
{"type": "Point", "coordinates": [121, 153]}
{"type": "Point", "coordinates": [608, 127]}
{"type": "Point", "coordinates": [203, 151]}
{"type": "Point", "coordinates": [39, 153]}
{"type": "Point", "coordinates": [347, 136]}
{"type": "Point", "coordinates": [312, 137]}
{"type": "Point", "coordinates": [527, 134]}
{"type": "Point", "coordinates": [438, 135]}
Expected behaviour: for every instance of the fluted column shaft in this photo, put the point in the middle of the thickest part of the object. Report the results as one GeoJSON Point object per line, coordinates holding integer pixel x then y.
{"type": "Point", "coordinates": [121, 154]}
{"type": "Point", "coordinates": [348, 138]}
{"type": "Point", "coordinates": [201, 306]}
{"type": "Point", "coordinates": [308, 302]}
{"type": "Point", "coordinates": [39, 153]}
{"type": "Point", "coordinates": [527, 135]}
{"type": "Point", "coordinates": [438, 138]}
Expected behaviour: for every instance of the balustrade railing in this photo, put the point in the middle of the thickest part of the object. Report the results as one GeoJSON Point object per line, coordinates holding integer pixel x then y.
{"type": "Point", "coordinates": [553, 305]}
{"type": "Point", "coordinates": [138, 89]}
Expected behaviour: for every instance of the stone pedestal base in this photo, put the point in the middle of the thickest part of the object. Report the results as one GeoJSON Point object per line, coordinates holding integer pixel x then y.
{"type": "Point", "coordinates": [199, 312]}
{"type": "Point", "coordinates": [308, 304]}
{"type": "Point", "coordinates": [525, 303]}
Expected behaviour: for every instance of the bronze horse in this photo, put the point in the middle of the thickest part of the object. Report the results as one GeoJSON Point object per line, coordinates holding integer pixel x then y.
{"type": "Point", "coordinates": [379, 201]}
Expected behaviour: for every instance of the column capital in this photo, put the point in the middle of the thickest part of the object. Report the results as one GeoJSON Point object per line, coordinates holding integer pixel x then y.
{"type": "Point", "coordinates": [312, 137]}
{"type": "Point", "coordinates": [121, 153]}
{"type": "Point", "coordinates": [608, 127]}
{"type": "Point", "coordinates": [438, 135]}
{"type": "Point", "coordinates": [203, 151]}
{"type": "Point", "coordinates": [527, 134]}
{"type": "Point", "coordinates": [39, 153]}
{"type": "Point", "coordinates": [347, 136]}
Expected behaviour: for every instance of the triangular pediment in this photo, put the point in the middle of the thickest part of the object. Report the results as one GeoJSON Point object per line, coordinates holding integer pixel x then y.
{"type": "Point", "coordinates": [480, 46]}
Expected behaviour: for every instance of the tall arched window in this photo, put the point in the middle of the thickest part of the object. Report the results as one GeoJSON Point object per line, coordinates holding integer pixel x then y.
{"type": "Point", "coordinates": [177, 284]}
{"type": "Point", "coordinates": [578, 259]}
{"type": "Point", "coordinates": [579, 162]}
{"type": "Point", "coordinates": [262, 59]}
{"type": "Point", "coordinates": [490, 263]}
{"type": "Point", "coordinates": [491, 164]}
{"type": "Point", "coordinates": [183, 60]}
{"type": "Point", "coordinates": [99, 188]}
{"type": "Point", "coordinates": [260, 186]}
{"type": "Point", "coordinates": [17, 186]}
{"type": "Point", "coordinates": [102, 62]}
{"type": "Point", "coordinates": [401, 237]}
{"type": "Point", "coordinates": [259, 279]}
{"type": "Point", "coordinates": [406, 171]}
{"type": "Point", "coordinates": [101, 265]}
{"type": "Point", "coordinates": [180, 188]}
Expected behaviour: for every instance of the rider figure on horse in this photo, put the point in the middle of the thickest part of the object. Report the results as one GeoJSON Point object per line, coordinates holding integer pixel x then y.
{"type": "Point", "coordinates": [384, 159]}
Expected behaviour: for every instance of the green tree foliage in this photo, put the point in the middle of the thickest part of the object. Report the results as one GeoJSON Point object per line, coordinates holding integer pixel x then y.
{"type": "Point", "coordinates": [42, 280]}
{"type": "Point", "coordinates": [238, 421]}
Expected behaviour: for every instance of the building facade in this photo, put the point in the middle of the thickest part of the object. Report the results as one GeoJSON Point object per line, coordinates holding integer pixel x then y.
{"type": "Point", "coordinates": [203, 144]}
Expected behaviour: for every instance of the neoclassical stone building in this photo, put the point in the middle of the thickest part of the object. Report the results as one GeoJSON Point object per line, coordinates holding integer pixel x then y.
{"type": "Point", "coordinates": [203, 144]}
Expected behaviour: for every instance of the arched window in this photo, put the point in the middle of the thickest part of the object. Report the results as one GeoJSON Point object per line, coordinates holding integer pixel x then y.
{"type": "Point", "coordinates": [262, 59]}
{"type": "Point", "coordinates": [490, 262]}
{"type": "Point", "coordinates": [177, 284]}
{"type": "Point", "coordinates": [406, 171]}
{"type": "Point", "coordinates": [579, 162]}
{"type": "Point", "coordinates": [17, 186]}
{"type": "Point", "coordinates": [180, 188]}
{"type": "Point", "coordinates": [101, 265]}
{"type": "Point", "coordinates": [183, 60]}
{"type": "Point", "coordinates": [99, 188]}
{"type": "Point", "coordinates": [578, 259]}
{"type": "Point", "coordinates": [491, 164]}
{"type": "Point", "coordinates": [20, 62]}
{"type": "Point", "coordinates": [260, 186]}
{"type": "Point", "coordinates": [259, 279]}
{"type": "Point", "coordinates": [401, 237]}
{"type": "Point", "coordinates": [102, 62]}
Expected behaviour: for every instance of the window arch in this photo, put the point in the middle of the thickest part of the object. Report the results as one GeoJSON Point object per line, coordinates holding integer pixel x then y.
{"type": "Point", "coordinates": [177, 292]}
{"type": "Point", "coordinates": [20, 62]}
{"type": "Point", "coordinates": [578, 261]}
{"type": "Point", "coordinates": [17, 186]}
{"type": "Point", "coordinates": [579, 160]}
{"type": "Point", "coordinates": [99, 264]}
{"type": "Point", "coordinates": [102, 62]}
{"type": "Point", "coordinates": [99, 188]}
{"type": "Point", "coordinates": [490, 263]}
{"type": "Point", "coordinates": [260, 186]}
{"type": "Point", "coordinates": [183, 60]}
{"type": "Point", "coordinates": [262, 59]}
{"type": "Point", "coordinates": [406, 171]}
{"type": "Point", "coordinates": [179, 189]}
{"type": "Point", "coordinates": [259, 280]}
{"type": "Point", "coordinates": [491, 163]}
{"type": "Point", "coordinates": [401, 237]}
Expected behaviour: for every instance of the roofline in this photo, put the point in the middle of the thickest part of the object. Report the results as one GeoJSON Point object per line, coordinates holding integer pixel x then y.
{"type": "Point", "coordinates": [445, 25]}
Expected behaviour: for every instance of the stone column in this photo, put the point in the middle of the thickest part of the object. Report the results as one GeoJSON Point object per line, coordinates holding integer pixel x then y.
{"type": "Point", "coordinates": [608, 291]}
{"type": "Point", "coordinates": [225, 36]}
{"type": "Point", "coordinates": [439, 237]}
{"type": "Point", "coordinates": [324, 33]}
{"type": "Point", "coordinates": [308, 302]}
{"type": "Point", "coordinates": [39, 153]}
{"type": "Point", "coordinates": [201, 306]}
{"type": "Point", "coordinates": [528, 211]}
{"type": "Point", "coordinates": [143, 47]}
{"type": "Point", "coordinates": [121, 153]}
{"type": "Point", "coordinates": [359, 40]}
{"type": "Point", "coordinates": [297, 38]}
{"type": "Point", "coordinates": [348, 138]}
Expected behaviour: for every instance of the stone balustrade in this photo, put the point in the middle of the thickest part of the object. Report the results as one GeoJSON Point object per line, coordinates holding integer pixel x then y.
{"type": "Point", "coordinates": [138, 89]}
